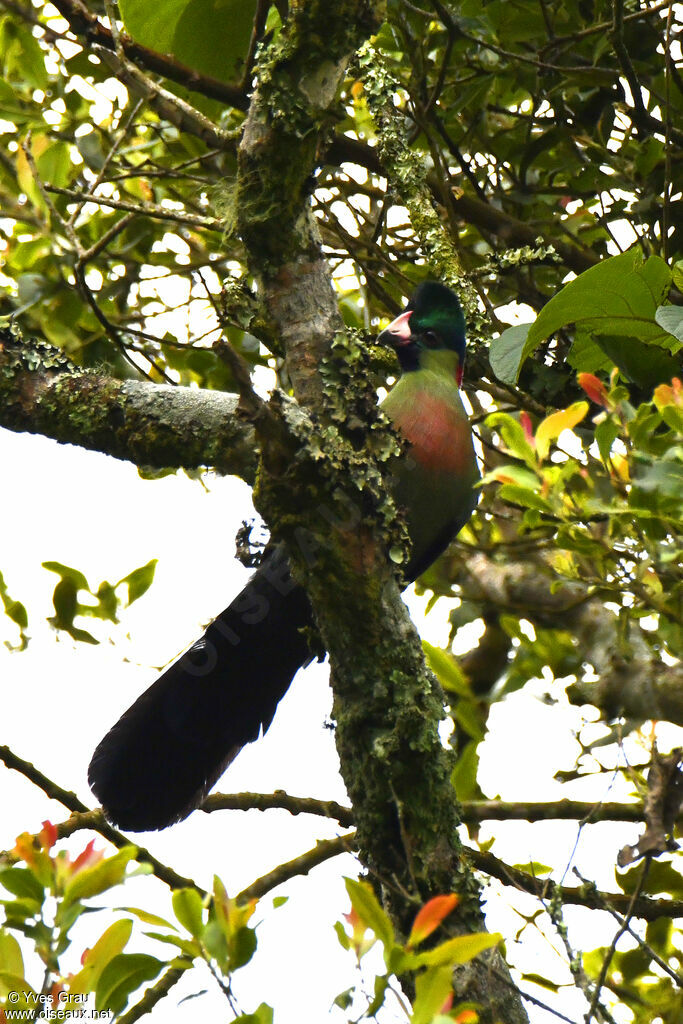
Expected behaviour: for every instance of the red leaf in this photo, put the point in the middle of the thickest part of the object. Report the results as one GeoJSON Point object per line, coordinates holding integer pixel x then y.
{"type": "Point", "coordinates": [48, 835]}
{"type": "Point", "coordinates": [527, 425]}
{"type": "Point", "coordinates": [430, 917]}
{"type": "Point", "coordinates": [595, 389]}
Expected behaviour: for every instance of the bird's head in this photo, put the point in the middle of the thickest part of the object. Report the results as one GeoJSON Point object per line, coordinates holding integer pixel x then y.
{"type": "Point", "coordinates": [432, 321]}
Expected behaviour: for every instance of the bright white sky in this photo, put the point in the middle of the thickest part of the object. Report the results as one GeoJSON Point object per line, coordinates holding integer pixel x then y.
{"type": "Point", "coordinates": [58, 698]}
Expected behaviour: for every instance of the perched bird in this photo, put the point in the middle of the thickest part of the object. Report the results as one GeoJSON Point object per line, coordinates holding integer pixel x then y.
{"type": "Point", "coordinates": [172, 745]}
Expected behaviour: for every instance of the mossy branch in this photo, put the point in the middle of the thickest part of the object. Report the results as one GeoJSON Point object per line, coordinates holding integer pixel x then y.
{"type": "Point", "coordinates": [154, 425]}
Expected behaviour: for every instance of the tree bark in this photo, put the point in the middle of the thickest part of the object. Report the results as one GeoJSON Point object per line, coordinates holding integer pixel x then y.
{"type": "Point", "coordinates": [386, 704]}
{"type": "Point", "coordinates": [155, 425]}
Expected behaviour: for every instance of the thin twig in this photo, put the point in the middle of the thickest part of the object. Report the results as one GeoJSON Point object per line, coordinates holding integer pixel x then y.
{"type": "Point", "coordinates": [102, 243]}
{"type": "Point", "coordinates": [652, 953]}
{"type": "Point", "coordinates": [613, 945]}
{"type": "Point", "coordinates": [644, 907]}
{"type": "Point", "coordinates": [169, 106]}
{"type": "Point", "coordinates": [149, 210]}
{"type": "Point", "coordinates": [668, 182]}
{"type": "Point", "coordinates": [113, 150]}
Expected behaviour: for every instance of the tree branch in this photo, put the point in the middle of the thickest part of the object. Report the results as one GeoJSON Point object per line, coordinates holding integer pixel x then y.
{"type": "Point", "coordinates": [323, 850]}
{"type": "Point", "coordinates": [582, 896]}
{"type": "Point", "coordinates": [83, 23]}
{"type": "Point", "coordinates": [472, 811]}
{"type": "Point", "coordinates": [278, 799]}
{"type": "Point", "coordinates": [83, 817]}
{"type": "Point", "coordinates": [148, 210]}
{"type": "Point", "coordinates": [149, 424]}
{"type": "Point", "coordinates": [155, 993]}
{"type": "Point", "coordinates": [634, 682]}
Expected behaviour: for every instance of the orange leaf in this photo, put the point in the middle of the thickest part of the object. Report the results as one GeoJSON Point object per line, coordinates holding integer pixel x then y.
{"type": "Point", "coordinates": [430, 917]}
{"type": "Point", "coordinates": [595, 389]}
{"type": "Point", "coordinates": [48, 835]}
{"type": "Point", "coordinates": [669, 394]}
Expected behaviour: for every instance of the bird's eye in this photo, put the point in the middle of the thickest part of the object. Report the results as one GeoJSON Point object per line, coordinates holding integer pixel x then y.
{"type": "Point", "coordinates": [431, 339]}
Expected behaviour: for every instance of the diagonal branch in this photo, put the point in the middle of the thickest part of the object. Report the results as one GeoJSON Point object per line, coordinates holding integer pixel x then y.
{"type": "Point", "coordinates": [323, 850]}
{"type": "Point", "coordinates": [86, 25]}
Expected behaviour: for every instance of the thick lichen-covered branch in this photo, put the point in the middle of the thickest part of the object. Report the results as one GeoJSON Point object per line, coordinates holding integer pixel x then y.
{"type": "Point", "coordinates": [153, 425]}
{"type": "Point", "coordinates": [632, 680]}
{"type": "Point", "coordinates": [407, 176]}
{"type": "Point", "coordinates": [292, 108]}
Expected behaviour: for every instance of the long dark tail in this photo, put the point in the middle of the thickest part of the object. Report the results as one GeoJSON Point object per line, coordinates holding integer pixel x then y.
{"type": "Point", "coordinates": [172, 745]}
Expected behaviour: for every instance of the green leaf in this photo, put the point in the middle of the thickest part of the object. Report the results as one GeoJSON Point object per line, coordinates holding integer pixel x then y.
{"type": "Point", "coordinates": [55, 166]}
{"type": "Point", "coordinates": [534, 867]}
{"type": "Point", "coordinates": [678, 275]}
{"type": "Point", "coordinates": [524, 497]}
{"type": "Point", "coordinates": [263, 1015]}
{"type": "Point", "coordinates": [505, 353]}
{"type": "Point", "coordinates": [21, 910]}
{"type": "Point", "coordinates": [31, 289]}
{"type": "Point", "coordinates": [512, 432]}
{"type": "Point", "coordinates": [189, 30]}
{"type": "Point", "coordinates": [109, 945]}
{"type": "Point", "coordinates": [664, 477]}
{"type": "Point", "coordinates": [345, 998]}
{"type": "Point", "coordinates": [618, 297]}
{"type": "Point", "coordinates": [458, 950]}
{"type": "Point", "coordinates": [586, 355]}
{"type": "Point", "coordinates": [22, 56]}
{"type": "Point", "coordinates": [344, 940]}
{"type": "Point", "coordinates": [23, 883]}
{"type": "Point", "coordinates": [189, 909]}
{"type": "Point", "coordinates": [605, 435]}
{"type": "Point", "coordinates": [10, 982]}
{"type": "Point", "coordinates": [241, 947]}
{"type": "Point", "coordinates": [469, 717]}
{"type": "Point", "coordinates": [11, 960]}
{"type": "Point", "coordinates": [12, 108]}
{"type": "Point", "coordinates": [381, 986]}
{"type": "Point", "coordinates": [645, 365]}
{"type": "Point", "coordinates": [366, 905]}
{"type": "Point", "coordinates": [432, 989]}
{"type": "Point", "coordinates": [446, 669]}
{"type": "Point", "coordinates": [144, 915]}
{"type": "Point", "coordinates": [190, 947]}
{"type": "Point", "coordinates": [671, 319]}
{"type": "Point", "coordinates": [122, 976]}
{"type": "Point", "coordinates": [464, 775]}
{"type": "Point", "coordinates": [538, 979]}
{"type": "Point", "coordinates": [105, 875]}
{"type": "Point", "coordinates": [139, 580]}
{"type": "Point", "coordinates": [75, 576]}
{"type": "Point", "coordinates": [152, 24]}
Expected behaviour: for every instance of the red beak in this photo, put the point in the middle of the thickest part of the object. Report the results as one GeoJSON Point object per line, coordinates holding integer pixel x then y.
{"type": "Point", "coordinates": [399, 329]}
